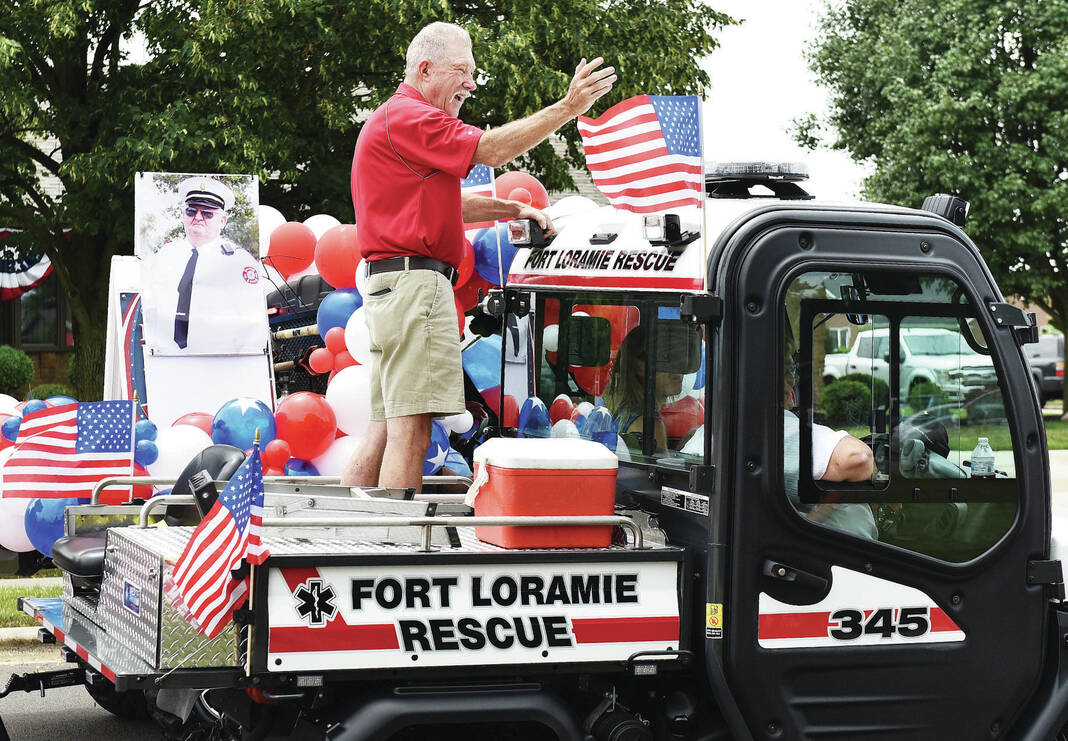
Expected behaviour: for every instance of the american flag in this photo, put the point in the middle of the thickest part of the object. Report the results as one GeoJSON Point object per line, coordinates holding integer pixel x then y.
{"type": "Point", "coordinates": [204, 589]}
{"type": "Point", "coordinates": [63, 451]}
{"type": "Point", "coordinates": [644, 153]}
{"type": "Point", "coordinates": [479, 182]}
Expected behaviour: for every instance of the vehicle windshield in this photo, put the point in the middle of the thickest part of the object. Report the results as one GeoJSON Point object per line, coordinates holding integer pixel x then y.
{"type": "Point", "coordinates": [943, 343]}
{"type": "Point", "coordinates": [622, 370]}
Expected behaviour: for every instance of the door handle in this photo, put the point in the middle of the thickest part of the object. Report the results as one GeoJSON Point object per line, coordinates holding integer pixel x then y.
{"type": "Point", "coordinates": [782, 572]}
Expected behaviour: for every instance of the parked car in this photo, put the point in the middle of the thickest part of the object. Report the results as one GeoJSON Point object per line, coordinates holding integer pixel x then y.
{"type": "Point", "coordinates": [928, 355]}
{"type": "Point", "coordinates": [1046, 358]}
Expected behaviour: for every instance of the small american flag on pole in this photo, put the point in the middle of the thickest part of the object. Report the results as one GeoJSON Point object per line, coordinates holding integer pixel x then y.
{"type": "Point", "coordinates": [479, 182]}
{"type": "Point", "coordinates": [63, 451]}
{"type": "Point", "coordinates": [644, 153]}
{"type": "Point", "coordinates": [204, 589]}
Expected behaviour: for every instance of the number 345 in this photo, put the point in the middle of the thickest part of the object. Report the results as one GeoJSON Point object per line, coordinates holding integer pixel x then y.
{"type": "Point", "coordinates": [852, 624]}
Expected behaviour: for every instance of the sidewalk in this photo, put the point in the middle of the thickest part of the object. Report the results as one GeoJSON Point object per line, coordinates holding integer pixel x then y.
{"type": "Point", "coordinates": [27, 635]}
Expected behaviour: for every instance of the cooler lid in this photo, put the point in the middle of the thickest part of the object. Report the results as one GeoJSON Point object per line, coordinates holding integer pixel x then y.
{"type": "Point", "coordinates": [545, 453]}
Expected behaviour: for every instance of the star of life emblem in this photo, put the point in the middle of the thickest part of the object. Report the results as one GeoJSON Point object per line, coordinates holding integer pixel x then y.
{"type": "Point", "coordinates": [315, 602]}
{"type": "Point", "coordinates": [251, 275]}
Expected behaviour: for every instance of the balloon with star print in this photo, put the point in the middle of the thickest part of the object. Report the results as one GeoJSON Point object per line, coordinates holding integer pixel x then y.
{"type": "Point", "coordinates": [437, 451]}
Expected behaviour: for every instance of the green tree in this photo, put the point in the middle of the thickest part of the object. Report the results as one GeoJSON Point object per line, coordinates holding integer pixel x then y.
{"type": "Point", "coordinates": [273, 88]}
{"type": "Point", "coordinates": [965, 97]}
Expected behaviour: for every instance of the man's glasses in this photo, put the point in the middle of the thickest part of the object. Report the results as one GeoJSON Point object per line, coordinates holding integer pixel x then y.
{"type": "Point", "coordinates": [206, 213]}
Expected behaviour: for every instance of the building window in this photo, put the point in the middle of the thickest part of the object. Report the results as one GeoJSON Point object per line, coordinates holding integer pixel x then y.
{"type": "Point", "coordinates": [44, 318]}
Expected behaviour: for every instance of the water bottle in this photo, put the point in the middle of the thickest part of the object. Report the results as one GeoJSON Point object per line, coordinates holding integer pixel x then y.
{"type": "Point", "coordinates": [983, 460]}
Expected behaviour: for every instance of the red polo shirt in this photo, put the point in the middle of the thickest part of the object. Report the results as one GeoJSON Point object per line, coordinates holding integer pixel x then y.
{"type": "Point", "coordinates": [410, 157]}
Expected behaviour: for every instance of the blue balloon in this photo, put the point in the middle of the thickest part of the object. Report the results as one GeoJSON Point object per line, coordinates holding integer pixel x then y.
{"type": "Point", "coordinates": [300, 467]}
{"type": "Point", "coordinates": [601, 427]}
{"type": "Point", "coordinates": [437, 451]}
{"type": "Point", "coordinates": [534, 418]}
{"type": "Point", "coordinates": [59, 400]}
{"type": "Point", "coordinates": [486, 262]}
{"type": "Point", "coordinates": [145, 452]}
{"type": "Point", "coordinates": [145, 430]}
{"type": "Point", "coordinates": [237, 420]}
{"type": "Point", "coordinates": [10, 428]}
{"type": "Point", "coordinates": [336, 309]}
{"type": "Point", "coordinates": [699, 382]}
{"type": "Point", "coordinates": [33, 405]}
{"type": "Point", "coordinates": [44, 522]}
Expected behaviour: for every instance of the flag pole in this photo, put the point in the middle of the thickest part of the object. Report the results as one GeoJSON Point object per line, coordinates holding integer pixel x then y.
{"type": "Point", "coordinates": [133, 443]}
{"type": "Point", "coordinates": [703, 198]}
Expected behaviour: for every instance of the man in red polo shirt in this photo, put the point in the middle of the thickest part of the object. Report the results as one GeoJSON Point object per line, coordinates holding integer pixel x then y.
{"type": "Point", "coordinates": [406, 171]}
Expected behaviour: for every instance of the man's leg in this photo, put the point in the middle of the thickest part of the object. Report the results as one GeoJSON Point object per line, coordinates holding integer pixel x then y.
{"type": "Point", "coordinates": [407, 439]}
{"type": "Point", "coordinates": [366, 462]}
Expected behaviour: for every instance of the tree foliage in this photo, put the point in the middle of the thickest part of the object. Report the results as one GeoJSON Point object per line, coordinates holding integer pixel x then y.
{"type": "Point", "coordinates": [274, 88]}
{"type": "Point", "coordinates": [965, 97]}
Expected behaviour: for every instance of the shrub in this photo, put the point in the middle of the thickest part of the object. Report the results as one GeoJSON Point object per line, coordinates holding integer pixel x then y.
{"type": "Point", "coordinates": [46, 390]}
{"type": "Point", "coordinates": [846, 403]}
{"type": "Point", "coordinates": [880, 389]}
{"type": "Point", "coordinates": [924, 394]}
{"type": "Point", "coordinates": [72, 370]}
{"type": "Point", "coordinates": [16, 369]}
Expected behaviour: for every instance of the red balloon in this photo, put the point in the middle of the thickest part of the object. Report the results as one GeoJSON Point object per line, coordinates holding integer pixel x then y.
{"type": "Point", "coordinates": [509, 181]}
{"type": "Point", "coordinates": [273, 472]}
{"type": "Point", "coordinates": [561, 408]}
{"type": "Point", "coordinates": [467, 294]}
{"type": "Point", "coordinates": [467, 265]}
{"type": "Point", "coordinates": [336, 256]}
{"type": "Point", "coordinates": [682, 416]}
{"type": "Point", "coordinates": [201, 420]}
{"type": "Point", "coordinates": [522, 195]}
{"type": "Point", "coordinates": [343, 360]}
{"type": "Point", "coordinates": [328, 380]}
{"type": "Point", "coordinates": [292, 248]}
{"type": "Point", "coordinates": [461, 317]}
{"type": "Point", "coordinates": [276, 453]}
{"type": "Point", "coordinates": [592, 380]}
{"type": "Point", "coordinates": [307, 423]}
{"type": "Point", "coordinates": [321, 360]}
{"type": "Point", "coordinates": [335, 339]}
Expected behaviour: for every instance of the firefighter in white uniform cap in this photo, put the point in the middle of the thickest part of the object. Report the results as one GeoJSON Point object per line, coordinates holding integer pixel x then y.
{"type": "Point", "coordinates": [202, 292]}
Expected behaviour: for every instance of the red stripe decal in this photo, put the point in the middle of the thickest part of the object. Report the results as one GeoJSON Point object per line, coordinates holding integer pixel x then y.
{"type": "Point", "coordinates": [333, 638]}
{"type": "Point", "coordinates": [793, 625]}
{"type": "Point", "coordinates": [625, 630]}
{"type": "Point", "coordinates": [608, 282]}
{"type": "Point", "coordinates": [295, 577]}
{"type": "Point", "coordinates": [107, 672]}
{"type": "Point", "coordinates": [941, 622]}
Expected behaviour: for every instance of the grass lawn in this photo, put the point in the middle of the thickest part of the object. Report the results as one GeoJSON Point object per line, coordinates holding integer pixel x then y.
{"type": "Point", "coordinates": [10, 617]}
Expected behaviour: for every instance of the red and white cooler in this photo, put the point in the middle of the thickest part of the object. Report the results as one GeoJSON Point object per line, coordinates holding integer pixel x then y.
{"type": "Point", "coordinates": [548, 477]}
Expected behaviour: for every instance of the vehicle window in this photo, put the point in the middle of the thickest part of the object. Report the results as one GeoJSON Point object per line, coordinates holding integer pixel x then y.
{"type": "Point", "coordinates": [911, 449]}
{"type": "Point", "coordinates": [634, 377]}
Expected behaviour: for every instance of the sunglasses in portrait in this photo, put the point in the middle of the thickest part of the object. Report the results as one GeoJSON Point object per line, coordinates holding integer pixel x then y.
{"type": "Point", "coordinates": [206, 213]}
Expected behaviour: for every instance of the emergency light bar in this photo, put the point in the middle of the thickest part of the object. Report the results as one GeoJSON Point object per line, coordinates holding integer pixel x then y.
{"type": "Point", "coordinates": [788, 171]}
{"type": "Point", "coordinates": [526, 233]}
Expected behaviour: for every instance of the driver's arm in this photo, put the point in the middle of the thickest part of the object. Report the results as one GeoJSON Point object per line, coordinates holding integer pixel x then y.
{"type": "Point", "coordinates": [851, 460]}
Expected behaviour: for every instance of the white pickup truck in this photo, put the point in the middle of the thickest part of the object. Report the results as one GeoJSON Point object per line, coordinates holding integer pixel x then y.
{"type": "Point", "coordinates": [928, 355]}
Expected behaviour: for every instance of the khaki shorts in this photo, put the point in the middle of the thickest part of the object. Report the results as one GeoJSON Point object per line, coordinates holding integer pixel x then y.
{"type": "Point", "coordinates": [415, 345]}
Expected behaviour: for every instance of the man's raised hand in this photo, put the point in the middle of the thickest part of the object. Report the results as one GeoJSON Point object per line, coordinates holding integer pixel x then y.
{"type": "Point", "coordinates": [588, 84]}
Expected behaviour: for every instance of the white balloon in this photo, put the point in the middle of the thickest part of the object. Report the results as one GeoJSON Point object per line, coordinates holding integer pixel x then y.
{"type": "Point", "coordinates": [349, 395]}
{"type": "Point", "coordinates": [358, 338]}
{"type": "Point", "coordinates": [333, 461]}
{"type": "Point", "coordinates": [177, 446]}
{"type": "Point", "coordinates": [270, 218]}
{"type": "Point", "coordinates": [8, 404]}
{"type": "Point", "coordinates": [565, 428]}
{"type": "Point", "coordinates": [12, 525]}
{"type": "Point", "coordinates": [361, 277]}
{"type": "Point", "coordinates": [584, 408]}
{"type": "Point", "coordinates": [320, 224]}
{"type": "Point", "coordinates": [622, 451]}
{"type": "Point", "coordinates": [550, 338]}
{"type": "Point", "coordinates": [459, 423]}
{"type": "Point", "coordinates": [570, 205]}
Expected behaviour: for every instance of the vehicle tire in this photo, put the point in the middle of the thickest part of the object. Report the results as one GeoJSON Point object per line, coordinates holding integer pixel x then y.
{"type": "Point", "coordinates": [130, 704]}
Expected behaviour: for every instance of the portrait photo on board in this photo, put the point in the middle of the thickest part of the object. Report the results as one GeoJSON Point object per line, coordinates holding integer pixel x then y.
{"type": "Point", "coordinates": [197, 238]}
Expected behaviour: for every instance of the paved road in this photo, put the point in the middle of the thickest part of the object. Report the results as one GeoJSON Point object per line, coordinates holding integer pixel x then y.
{"type": "Point", "coordinates": [64, 714]}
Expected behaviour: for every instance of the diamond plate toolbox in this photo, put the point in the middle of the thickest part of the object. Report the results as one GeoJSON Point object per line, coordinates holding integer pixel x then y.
{"type": "Point", "coordinates": [135, 610]}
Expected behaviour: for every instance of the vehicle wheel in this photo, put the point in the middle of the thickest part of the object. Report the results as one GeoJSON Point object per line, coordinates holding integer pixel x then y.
{"type": "Point", "coordinates": [130, 704]}
{"type": "Point", "coordinates": [197, 727]}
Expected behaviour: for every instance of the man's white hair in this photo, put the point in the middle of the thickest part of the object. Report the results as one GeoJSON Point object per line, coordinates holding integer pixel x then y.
{"type": "Point", "coordinates": [431, 44]}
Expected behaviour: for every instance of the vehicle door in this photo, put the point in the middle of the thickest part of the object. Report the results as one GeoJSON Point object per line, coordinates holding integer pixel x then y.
{"type": "Point", "coordinates": [897, 606]}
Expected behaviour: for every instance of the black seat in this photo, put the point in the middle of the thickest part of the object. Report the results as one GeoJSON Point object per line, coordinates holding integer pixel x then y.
{"type": "Point", "coordinates": [80, 555]}
{"type": "Point", "coordinates": [220, 461]}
